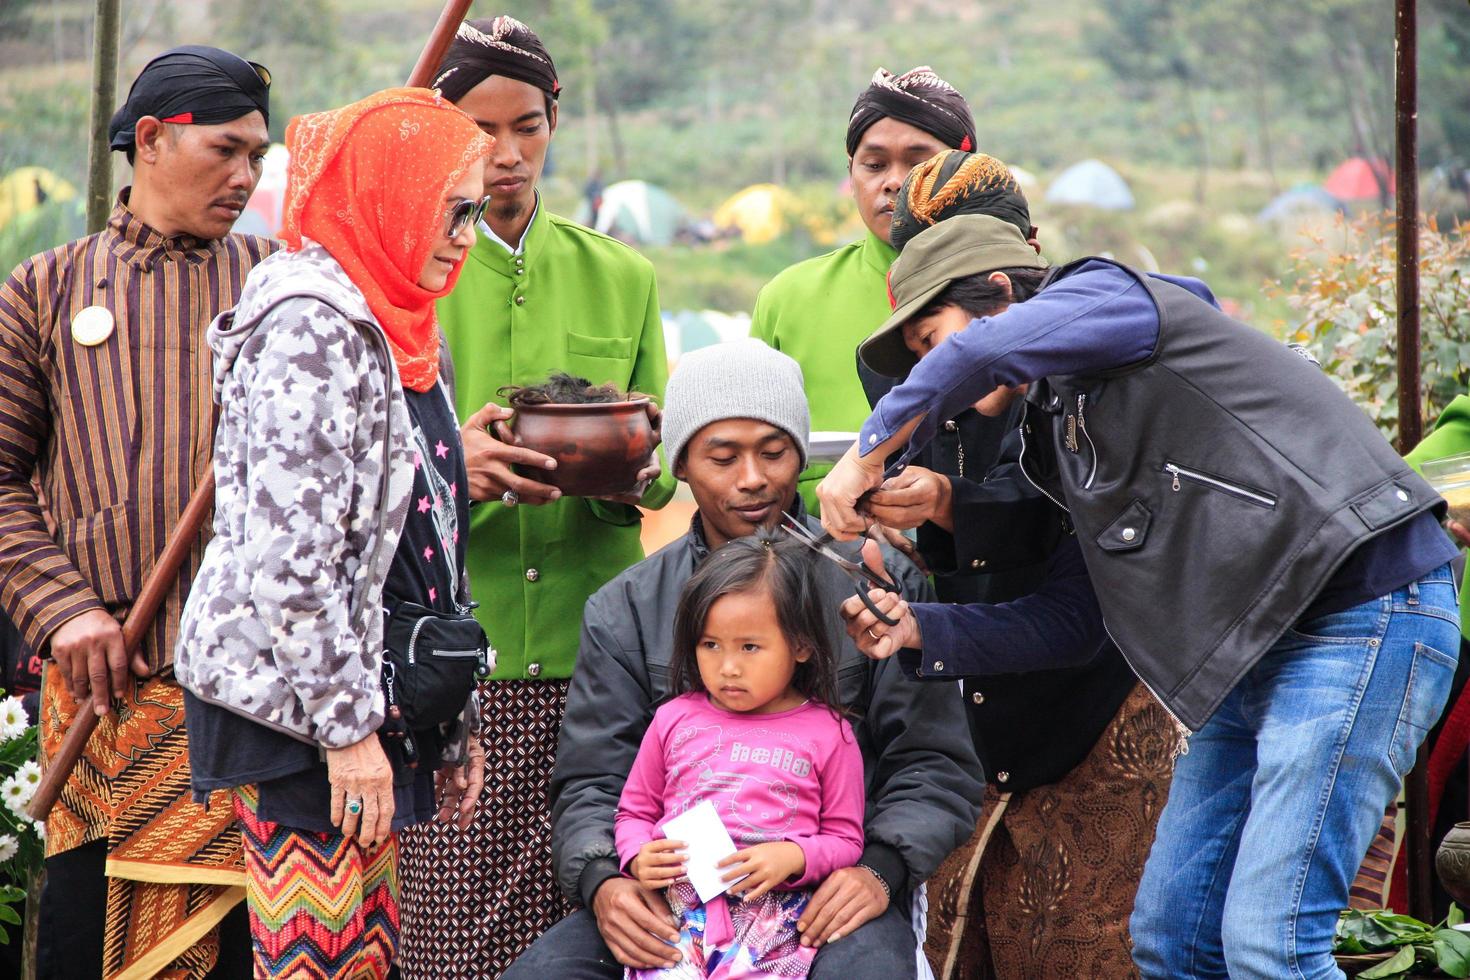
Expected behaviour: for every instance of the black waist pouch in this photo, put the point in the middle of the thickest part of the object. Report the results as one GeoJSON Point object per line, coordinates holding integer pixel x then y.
{"type": "Point", "coordinates": [431, 662]}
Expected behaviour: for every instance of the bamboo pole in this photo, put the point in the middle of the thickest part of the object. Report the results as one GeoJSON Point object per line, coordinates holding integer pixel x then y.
{"type": "Point", "coordinates": [1418, 845]}
{"type": "Point", "coordinates": [104, 98]}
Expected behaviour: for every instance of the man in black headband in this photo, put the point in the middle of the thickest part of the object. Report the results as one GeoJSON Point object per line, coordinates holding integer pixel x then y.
{"type": "Point", "coordinates": [818, 311]}
{"type": "Point", "coordinates": [538, 294]}
{"type": "Point", "coordinates": [108, 401]}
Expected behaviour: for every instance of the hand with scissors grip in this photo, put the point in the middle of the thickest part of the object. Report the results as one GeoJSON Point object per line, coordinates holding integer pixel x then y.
{"type": "Point", "coordinates": [863, 578]}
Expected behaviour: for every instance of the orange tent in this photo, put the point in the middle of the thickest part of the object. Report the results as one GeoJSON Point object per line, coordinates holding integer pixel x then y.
{"type": "Point", "coordinates": [1357, 179]}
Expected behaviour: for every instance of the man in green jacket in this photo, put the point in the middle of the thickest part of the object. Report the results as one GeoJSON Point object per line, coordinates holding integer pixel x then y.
{"type": "Point", "coordinates": [538, 294]}
{"type": "Point", "coordinates": [819, 310]}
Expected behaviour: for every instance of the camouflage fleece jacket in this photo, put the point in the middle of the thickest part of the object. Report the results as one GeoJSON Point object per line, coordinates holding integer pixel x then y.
{"type": "Point", "coordinates": [313, 471]}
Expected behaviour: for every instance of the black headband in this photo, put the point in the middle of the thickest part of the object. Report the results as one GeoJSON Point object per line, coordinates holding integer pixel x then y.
{"type": "Point", "coordinates": [503, 46]}
{"type": "Point", "coordinates": [917, 97]}
{"type": "Point", "coordinates": [192, 84]}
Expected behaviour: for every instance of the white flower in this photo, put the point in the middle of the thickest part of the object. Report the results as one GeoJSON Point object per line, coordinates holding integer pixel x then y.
{"type": "Point", "coordinates": [13, 720]}
{"type": "Point", "coordinates": [16, 793]}
{"type": "Point", "coordinates": [8, 847]}
{"type": "Point", "coordinates": [39, 826]}
{"type": "Point", "coordinates": [29, 773]}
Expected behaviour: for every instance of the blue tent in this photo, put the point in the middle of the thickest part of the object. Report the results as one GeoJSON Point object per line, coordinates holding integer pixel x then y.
{"type": "Point", "coordinates": [1301, 201]}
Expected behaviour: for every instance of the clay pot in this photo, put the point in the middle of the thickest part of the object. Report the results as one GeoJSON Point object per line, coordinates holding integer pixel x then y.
{"type": "Point", "coordinates": [1452, 863]}
{"type": "Point", "coordinates": [598, 448]}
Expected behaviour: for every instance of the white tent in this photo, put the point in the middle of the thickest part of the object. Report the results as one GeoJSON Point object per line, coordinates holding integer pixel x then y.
{"type": "Point", "coordinates": [1093, 184]}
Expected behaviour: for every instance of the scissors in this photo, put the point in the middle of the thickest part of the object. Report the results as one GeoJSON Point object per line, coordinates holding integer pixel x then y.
{"type": "Point", "coordinates": [863, 578]}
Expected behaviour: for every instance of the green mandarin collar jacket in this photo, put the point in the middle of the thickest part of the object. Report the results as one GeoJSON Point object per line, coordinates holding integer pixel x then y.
{"type": "Point", "coordinates": [818, 311]}
{"type": "Point", "coordinates": [574, 301]}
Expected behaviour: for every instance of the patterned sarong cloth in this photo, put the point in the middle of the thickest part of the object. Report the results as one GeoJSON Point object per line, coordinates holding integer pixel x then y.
{"type": "Point", "coordinates": [474, 900]}
{"type": "Point", "coordinates": [1045, 886]}
{"type": "Point", "coordinates": [765, 944]}
{"type": "Point", "coordinates": [174, 868]}
{"type": "Point", "coordinates": [322, 906]}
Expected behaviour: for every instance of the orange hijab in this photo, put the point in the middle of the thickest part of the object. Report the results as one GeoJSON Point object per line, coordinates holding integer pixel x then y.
{"type": "Point", "coordinates": [369, 182]}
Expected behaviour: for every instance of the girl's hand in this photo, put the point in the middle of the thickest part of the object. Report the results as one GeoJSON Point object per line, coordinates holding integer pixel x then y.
{"type": "Point", "coordinates": [876, 640]}
{"type": "Point", "coordinates": [659, 864]}
{"type": "Point", "coordinates": [361, 774]}
{"type": "Point", "coordinates": [458, 787]}
{"type": "Point", "coordinates": [764, 866]}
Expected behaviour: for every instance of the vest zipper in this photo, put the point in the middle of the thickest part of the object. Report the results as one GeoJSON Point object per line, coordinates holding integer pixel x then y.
{"type": "Point", "coordinates": [413, 639]}
{"type": "Point", "coordinates": [1082, 427]}
{"type": "Point", "coordinates": [1215, 483]}
{"type": "Point", "coordinates": [1182, 730]}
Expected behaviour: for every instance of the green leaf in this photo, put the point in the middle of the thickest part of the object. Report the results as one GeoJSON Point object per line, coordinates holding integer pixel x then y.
{"type": "Point", "coordinates": [8, 914]}
{"type": "Point", "coordinates": [1401, 962]}
{"type": "Point", "coordinates": [1456, 916]}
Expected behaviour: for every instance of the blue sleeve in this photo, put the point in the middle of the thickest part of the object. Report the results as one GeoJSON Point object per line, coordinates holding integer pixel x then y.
{"type": "Point", "coordinates": [1196, 286]}
{"type": "Point", "coordinates": [1058, 625]}
{"type": "Point", "coordinates": [1096, 319]}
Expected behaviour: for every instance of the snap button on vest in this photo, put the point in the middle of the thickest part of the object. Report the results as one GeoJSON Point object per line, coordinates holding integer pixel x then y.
{"type": "Point", "coordinates": [1129, 534]}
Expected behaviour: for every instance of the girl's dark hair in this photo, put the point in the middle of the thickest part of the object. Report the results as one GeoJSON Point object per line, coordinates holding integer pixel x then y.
{"type": "Point", "coordinates": [978, 296]}
{"type": "Point", "coordinates": [562, 389]}
{"type": "Point", "coordinates": [782, 567]}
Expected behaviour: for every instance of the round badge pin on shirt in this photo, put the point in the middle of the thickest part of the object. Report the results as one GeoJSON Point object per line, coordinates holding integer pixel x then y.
{"type": "Point", "coordinates": [92, 326]}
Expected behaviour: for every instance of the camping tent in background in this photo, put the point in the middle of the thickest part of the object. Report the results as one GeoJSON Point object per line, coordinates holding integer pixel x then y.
{"type": "Point", "coordinates": [1357, 179]}
{"type": "Point", "coordinates": [690, 330]}
{"type": "Point", "coordinates": [761, 212]}
{"type": "Point", "coordinates": [1302, 202]}
{"type": "Point", "coordinates": [26, 188]}
{"type": "Point", "coordinates": [1028, 181]}
{"type": "Point", "coordinates": [636, 211]}
{"type": "Point", "coordinates": [1093, 184]}
{"type": "Point", "coordinates": [262, 215]}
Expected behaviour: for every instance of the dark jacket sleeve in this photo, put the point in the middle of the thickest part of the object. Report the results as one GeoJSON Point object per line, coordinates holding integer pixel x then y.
{"type": "Point", "coordinates": [609, 707]}
{"type": "Point", "coordinates": [1058, 625]}
{"type": "Point", "coordinates": [925, 785]}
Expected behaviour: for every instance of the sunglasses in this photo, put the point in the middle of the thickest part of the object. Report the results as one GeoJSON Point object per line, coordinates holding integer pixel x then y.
{"type": "Point", "coordinates": [466, 213]}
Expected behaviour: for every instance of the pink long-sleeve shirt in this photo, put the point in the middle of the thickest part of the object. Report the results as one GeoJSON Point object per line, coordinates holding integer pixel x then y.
{"type": "Point", "coordinates": [794, 775]}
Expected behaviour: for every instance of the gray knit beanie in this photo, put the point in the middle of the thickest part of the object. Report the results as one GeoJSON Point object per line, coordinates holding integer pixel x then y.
{"type": "Point", "coordinates": [742, 379]}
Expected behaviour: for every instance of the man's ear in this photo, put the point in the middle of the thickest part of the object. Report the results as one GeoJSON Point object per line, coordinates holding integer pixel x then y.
{"type": "Point", "coordinates": [1001, 279]}
{"type": "Point", "coordinates": [1033, 240]}
{"type": "Point", "coordinates": [147, 134]}
{"type": "Point", "coordinates": [551, 119]}
{"type": "Point", "coordinates": [679, 468]}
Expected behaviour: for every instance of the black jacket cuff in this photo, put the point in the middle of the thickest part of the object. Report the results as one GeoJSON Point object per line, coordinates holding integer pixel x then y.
{"type": "Point", "coordinates": [888, 864]}
{"type": "Point", "coordinates": [594, 874]}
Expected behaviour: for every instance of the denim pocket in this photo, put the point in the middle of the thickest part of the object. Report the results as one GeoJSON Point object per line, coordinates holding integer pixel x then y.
{"type": "Point", "coordinates": [1430, 677]}
{"type": "Point", "coordinates": [1357, 624]}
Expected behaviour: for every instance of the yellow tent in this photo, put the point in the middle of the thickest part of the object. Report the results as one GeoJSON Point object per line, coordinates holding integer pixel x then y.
{"type": "Point", "coordinates": [762, 212]}
{"type": "Point", "coordinates": [26, 188]}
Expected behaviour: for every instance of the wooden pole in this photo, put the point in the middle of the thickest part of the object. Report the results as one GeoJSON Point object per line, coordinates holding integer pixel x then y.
{"type": "Point", "coordinates": [449, 20]}
{"type": "Point", "coordinates": [1418, 845]}
{"type": "Point", "coordinates": [104, 100]}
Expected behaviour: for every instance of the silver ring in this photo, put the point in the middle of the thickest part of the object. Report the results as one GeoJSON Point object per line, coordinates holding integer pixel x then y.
{"type": "Point", "coordinates": [869, 631]}
{"type": "Point", "coordinates": [510, 498]}
{"type": "Point", "coordinates": [354, 806]}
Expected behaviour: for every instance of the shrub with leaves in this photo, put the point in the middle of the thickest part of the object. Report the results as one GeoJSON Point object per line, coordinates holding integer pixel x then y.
{"type": "Point", "coordinates": [22, 844]}
{"type": "Point", "coordinates": [1347, 313]}
{"type": "Point", "coordinates": [1418, 948]}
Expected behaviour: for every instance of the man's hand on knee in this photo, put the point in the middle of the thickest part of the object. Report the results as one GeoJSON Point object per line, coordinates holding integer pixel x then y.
{"type": "Point", "coordinates": [846, 900]}
{"type": "Point", "coordinates": [636, 924]}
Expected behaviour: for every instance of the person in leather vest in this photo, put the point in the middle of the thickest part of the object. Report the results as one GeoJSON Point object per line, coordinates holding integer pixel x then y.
{"type": "Point", "coordinates": [1266, 562]}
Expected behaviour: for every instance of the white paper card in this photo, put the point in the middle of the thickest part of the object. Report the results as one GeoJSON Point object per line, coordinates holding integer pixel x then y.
{"type": "Point", "coordinates": [706, 843]}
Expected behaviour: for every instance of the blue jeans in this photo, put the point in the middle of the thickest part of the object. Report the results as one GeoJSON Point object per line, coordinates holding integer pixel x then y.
{"type": "Point", "coordinates": [1276, 802]}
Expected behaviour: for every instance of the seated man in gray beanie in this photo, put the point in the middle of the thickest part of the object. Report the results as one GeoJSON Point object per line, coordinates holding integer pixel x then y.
{"type": "Point", "coordinates": [735, 428]}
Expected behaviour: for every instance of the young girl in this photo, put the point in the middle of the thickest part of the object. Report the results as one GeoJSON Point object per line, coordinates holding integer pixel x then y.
{"type": "Point", "coordinates": [757, 733]}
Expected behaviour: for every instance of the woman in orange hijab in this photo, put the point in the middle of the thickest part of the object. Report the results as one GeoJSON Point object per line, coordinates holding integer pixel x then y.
{"type": "Point", "coordinates": [326, 651]}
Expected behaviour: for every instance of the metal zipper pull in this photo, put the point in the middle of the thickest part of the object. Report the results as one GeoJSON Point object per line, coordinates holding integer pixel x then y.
{"type": "Point", "coordinates": [1176, 481]}
{"type": "Point", "coordinates": [1071, 437]}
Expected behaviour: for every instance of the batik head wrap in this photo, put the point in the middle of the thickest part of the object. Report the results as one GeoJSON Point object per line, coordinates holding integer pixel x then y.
{"type": "Point", "coordinates": [952, 183]}
{"type": "Point", "coordinates": [918, 97]}
{"type": "Point", "coordinates": [192, 84]}
{"type": "Point", "coordinates": [501, 46]}
{"type": "Point", "coordinates": [369, 183]}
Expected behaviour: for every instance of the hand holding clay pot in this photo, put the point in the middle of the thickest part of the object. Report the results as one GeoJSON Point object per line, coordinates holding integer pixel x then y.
{"type": "Point", "coordinates": [490, 452]}
{"type": "Point", "coordinates": [652, 469]}
{"type": "Point", "coordinates": [601, 449]}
